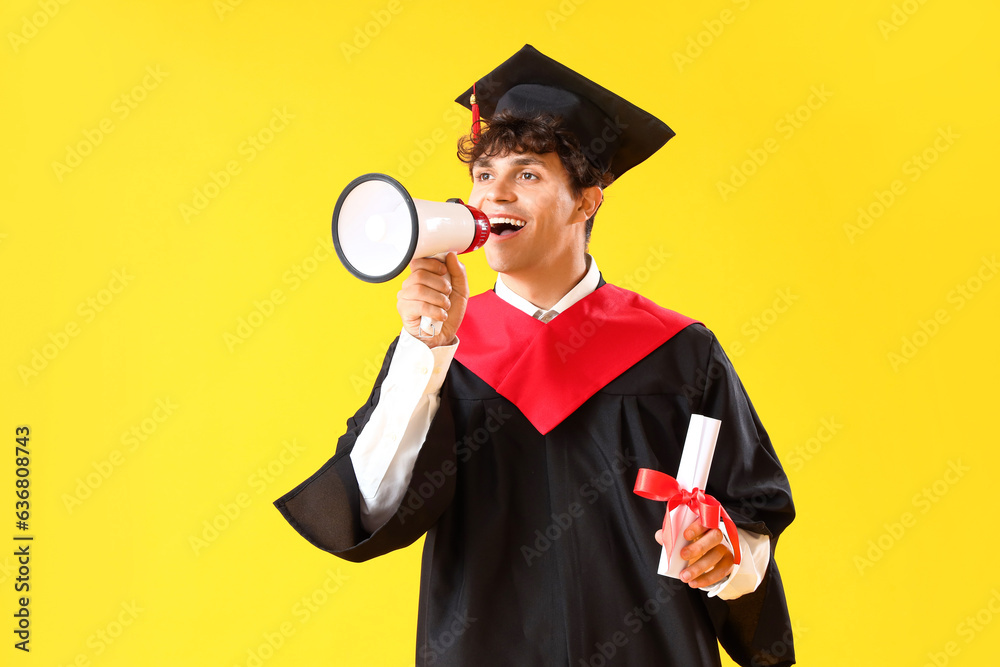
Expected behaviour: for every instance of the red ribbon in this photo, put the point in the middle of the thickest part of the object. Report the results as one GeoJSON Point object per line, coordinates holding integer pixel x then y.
{"type": "Point", "coordinates": [656, 485]}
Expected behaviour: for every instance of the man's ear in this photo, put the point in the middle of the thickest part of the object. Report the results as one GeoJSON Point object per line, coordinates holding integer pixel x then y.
{"type": "Point", "coordinates": [590, 200]}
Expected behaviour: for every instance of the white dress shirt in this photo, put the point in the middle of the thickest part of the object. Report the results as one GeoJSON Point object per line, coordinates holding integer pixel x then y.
{"type": "Point", "coordinates": [386, 449]}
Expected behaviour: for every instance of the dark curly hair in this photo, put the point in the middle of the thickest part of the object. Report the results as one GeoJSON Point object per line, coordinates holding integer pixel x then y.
{"type": "Point", "coordinates": [544, 133]}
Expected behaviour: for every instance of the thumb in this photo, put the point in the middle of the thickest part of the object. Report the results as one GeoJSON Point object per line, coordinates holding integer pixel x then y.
{"type": "Point", "coordinates": [456, 272]}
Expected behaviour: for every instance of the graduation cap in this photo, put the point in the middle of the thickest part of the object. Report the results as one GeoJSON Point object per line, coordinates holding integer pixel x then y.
{"type": "Point", "coordinates": [615, 134]}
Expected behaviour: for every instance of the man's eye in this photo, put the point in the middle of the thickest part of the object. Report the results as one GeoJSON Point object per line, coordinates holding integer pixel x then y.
{"type": "Point", "coordinates": [482, 176]}
{"type": "Point", "coordinates": [529, 176]}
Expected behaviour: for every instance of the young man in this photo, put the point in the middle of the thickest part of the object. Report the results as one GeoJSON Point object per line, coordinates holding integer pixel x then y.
{"type": "Point", "coordinates": [513, 438]}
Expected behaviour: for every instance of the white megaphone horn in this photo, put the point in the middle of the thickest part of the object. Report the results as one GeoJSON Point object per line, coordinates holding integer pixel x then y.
{"type": "Point", "coordinates": [378, 228]}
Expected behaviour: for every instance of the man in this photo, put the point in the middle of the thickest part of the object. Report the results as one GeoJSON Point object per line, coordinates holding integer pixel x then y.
{"type": "Point", "coordinates": [516, 449]}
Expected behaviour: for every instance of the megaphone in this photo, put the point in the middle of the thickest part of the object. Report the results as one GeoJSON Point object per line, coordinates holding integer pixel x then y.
{"type": "Point", "coordinates": [378, 228]}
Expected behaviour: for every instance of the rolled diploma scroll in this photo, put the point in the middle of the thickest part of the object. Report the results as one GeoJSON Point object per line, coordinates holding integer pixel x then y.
{"type": "Point", "coordinates": [696, 461]}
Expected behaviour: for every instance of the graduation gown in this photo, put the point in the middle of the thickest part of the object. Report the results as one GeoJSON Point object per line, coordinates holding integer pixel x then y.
{"type": "Point", "coordinates": [537, 551]}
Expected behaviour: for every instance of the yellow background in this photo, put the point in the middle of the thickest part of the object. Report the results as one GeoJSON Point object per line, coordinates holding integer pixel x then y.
{"type": "Point", "coordinates": [878, 571]}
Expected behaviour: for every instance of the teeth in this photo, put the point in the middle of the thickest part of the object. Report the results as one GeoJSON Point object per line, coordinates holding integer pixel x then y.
{"type": "Point", "coordinates": [507, 221]}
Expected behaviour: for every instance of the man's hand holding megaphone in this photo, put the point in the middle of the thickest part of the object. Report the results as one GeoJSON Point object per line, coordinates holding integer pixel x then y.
{"type": "Point", "coordinates": [438, 290]}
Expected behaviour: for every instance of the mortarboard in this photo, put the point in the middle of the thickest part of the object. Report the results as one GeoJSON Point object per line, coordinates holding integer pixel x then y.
{"type": "Point", "coordinates": [615, 134]}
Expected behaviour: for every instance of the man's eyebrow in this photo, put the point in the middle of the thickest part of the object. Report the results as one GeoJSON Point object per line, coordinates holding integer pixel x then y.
{"type": "Point", "coordinates": [524, 160]}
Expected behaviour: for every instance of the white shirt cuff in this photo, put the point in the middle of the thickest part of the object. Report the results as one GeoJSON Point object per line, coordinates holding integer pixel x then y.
{"type": "Point", "coordinates": [755, 554]}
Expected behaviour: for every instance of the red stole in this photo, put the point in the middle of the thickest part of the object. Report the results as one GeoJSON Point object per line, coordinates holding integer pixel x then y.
{"type": "Point", "coordinates": [549, 370]}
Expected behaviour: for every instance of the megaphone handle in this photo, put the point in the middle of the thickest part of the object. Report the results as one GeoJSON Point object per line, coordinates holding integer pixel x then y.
{"type": "Point", "coordinates": [428, 327]}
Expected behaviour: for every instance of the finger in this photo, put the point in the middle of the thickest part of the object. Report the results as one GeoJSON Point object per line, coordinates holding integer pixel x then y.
{"type": "Point", "coordinates": [710, 569]}
{"type": "Point", "coordinates": [425, 294]}
{"type": "Point", "coordinates": [700, 566]}
{"type": "Point", "coordinates": [429, 264]}
{"type": "Point", "coordinates": [693, 531]}
{"type": "Point", "coordinates": [705, 541]}
{"type": "Point", "coordinates": [437, 282]}
{"type": "Point", "coordinates": [456, 271]}
{"type": "Point", "coordinates": [412, 311]}
{"type": "Point", "coordinates": [658, 536]}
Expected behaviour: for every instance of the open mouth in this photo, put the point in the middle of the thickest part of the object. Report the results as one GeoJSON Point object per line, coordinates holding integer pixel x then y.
{"type": "Point", "coordinates": [502, 226]}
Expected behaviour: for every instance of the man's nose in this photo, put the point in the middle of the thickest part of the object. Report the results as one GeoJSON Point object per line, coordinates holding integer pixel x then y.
{"type": "Point", "coordinates": [501, 190]}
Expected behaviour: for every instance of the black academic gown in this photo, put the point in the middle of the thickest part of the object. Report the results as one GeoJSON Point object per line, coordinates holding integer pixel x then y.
{"type": "Point", "coordinates": [537, 551]}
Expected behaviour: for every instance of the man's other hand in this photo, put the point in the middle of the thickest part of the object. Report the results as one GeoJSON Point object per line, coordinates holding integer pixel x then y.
{"type": "Point", "coordinates": [709, 561]}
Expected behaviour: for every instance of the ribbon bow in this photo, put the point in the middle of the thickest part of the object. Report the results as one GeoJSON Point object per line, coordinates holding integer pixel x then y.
{"type": "Point", "coordinates": [656, 485]}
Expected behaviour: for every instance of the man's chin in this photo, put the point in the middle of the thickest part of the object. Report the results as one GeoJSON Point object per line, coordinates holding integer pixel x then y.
{"type": "Point", "coordinates": [499, 267]}
{"type": "Point", "coordinates": [498, 259]}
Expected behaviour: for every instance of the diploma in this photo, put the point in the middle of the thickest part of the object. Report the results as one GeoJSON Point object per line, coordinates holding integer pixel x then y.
{"type": "Point", "coordinates": [696, 461]}
{"type": "Point", "coordinates": [685, 496]}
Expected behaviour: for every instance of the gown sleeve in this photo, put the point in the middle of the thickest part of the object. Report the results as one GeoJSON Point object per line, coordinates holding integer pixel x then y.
{"type": "Point", "coordinates": [326, 508]}
{"type": "Point", "coordinates": [746, 477]}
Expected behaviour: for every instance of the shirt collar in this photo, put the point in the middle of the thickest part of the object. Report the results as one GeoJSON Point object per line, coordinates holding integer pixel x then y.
{"type": "Point", "coordinates": [583, 288]}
